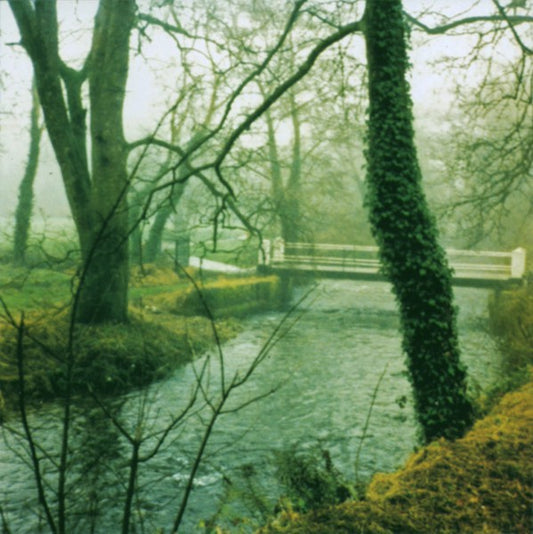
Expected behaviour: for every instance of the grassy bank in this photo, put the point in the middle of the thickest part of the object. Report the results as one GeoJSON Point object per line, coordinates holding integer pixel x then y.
{"type": "Point", "coordinates": [168, 327]}
{"type": "Point", "coordinates": [223, 297]}
{"type": "Point", "coordinates": [480, 484]}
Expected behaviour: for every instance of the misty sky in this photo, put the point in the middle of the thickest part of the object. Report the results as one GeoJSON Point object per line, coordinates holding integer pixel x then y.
{"type": "Point", "coordinates": [145, 101]}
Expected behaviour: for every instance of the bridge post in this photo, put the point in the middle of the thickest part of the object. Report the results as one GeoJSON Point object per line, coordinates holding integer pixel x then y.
{"type": "Point", "coordinates": [518, 262]}
{"type": "Point", "coordinates": [278, 249]}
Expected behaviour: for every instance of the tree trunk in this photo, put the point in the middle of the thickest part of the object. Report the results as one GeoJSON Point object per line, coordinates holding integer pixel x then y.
{"type": "Point", "coordinates": [154, 243]}
{"type": "Point", "coordinates": [104, 287]}
{"type": "Point", "coordinates": [135, 229]}
{"type": "Point", "coordinates": [25, 199]}
{"type": "Point", "coordinates": [286, 198]}
{"type": "Point", "coordinates": [406, 233]}
{"type": "Point", "coordinates": [98, 201]}
{"type": "Point", "coordinates": [291, 222]}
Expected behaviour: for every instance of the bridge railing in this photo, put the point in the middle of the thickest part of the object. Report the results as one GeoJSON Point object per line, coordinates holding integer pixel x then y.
{"type": "Point", "coordinates": [466, 264]}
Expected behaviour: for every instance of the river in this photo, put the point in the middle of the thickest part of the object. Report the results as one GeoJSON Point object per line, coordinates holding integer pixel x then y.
{"type": "Point", "coordinates": [324, 374]}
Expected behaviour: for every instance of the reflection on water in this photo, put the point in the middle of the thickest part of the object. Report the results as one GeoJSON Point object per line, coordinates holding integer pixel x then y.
{"type": "Point", "coordinates": [324, 372]}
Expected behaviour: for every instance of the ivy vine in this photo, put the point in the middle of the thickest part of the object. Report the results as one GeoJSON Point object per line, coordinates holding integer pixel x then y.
{"type": "Point", "coordinates": [406, 232]}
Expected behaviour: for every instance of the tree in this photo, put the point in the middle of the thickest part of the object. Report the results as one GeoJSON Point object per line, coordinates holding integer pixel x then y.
{"type": "Point", "coordinates": [406, 233]}
{"type": "Point", "coordinates": [488, 193]}
{"type": "Point", "coordinates": [96, 192]}
{"type": "Point", "coordinates": [492, 159]}
{"type": "Point", "coordinates": [25, 198]}
{"type": "Point", "coordinates": [286, 196]}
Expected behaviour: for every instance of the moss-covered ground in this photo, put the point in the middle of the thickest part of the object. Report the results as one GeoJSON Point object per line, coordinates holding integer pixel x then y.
{"type": "Point", "coordinates": [167, 328]}
{"type": "Point", "coordinates": [480, 484]}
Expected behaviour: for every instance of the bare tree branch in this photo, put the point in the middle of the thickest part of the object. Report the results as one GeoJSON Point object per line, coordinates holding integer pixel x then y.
{"type": "Point", "coordinates": [437, 30]}
{"type": "Point", "coordinates": [511, 25]}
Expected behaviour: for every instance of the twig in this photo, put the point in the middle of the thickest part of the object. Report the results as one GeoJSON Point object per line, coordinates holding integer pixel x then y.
{"type": "Point", "coordinates": [367, 423]}
{"type": "Point", "coordinates": [27, 430]}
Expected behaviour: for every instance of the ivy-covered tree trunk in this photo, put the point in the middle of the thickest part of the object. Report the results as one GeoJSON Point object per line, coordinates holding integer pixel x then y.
{"type": "Point", "coordinates": [406, 233]}
{"type": "Point", "coordinates": [25, 197]}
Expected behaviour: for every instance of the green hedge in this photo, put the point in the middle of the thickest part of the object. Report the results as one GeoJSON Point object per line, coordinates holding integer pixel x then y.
{"type": "Point", "coordinates": [511, 320]}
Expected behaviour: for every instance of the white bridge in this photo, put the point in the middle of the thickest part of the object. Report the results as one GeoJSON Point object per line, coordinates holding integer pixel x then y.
{"type": "Point", "coordinates": [470, 268]}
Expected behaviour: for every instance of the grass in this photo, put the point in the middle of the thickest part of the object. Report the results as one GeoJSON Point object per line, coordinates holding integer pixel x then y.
{"type": "Point", "coordinates": [226, 296]}
{"type": "Point", "coordinates": [160, 335]}
{"type": "Point", "coordinates": [31, 289]}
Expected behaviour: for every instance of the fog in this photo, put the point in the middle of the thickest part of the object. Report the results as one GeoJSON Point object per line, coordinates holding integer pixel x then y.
{"type": "Point", "coordinates": [153, 77]}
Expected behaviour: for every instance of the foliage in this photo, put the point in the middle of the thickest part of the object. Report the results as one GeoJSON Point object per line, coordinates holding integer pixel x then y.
{"type": "Point", "coordinates": [511, 321]}
{"type": "Point", "coordinates": [479, 483]}
{"type": "Point", "coordinates": [406, 233]}
{"type": "Point", "coordinates": [310, 478]}
{"type": "Point", "coordinates": [243, 494]}
{"type": "Point", "coordinates": [151, 275]}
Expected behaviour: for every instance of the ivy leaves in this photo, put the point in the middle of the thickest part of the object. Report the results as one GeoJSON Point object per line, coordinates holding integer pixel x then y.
{"type": "Point", "coordinates": [406, 233]}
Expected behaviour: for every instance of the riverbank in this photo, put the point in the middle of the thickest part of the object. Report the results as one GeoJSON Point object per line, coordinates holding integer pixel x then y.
{"type": "Point", "coordinates": [478, 484]}
{"type": "Point", "coordinates": [173, 319]}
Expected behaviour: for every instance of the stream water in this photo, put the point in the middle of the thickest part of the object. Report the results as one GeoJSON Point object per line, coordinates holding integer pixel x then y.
{"type": "Point", "coordinates": [318, 382]}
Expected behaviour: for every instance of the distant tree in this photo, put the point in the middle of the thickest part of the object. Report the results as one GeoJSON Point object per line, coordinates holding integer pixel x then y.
{"type": "Point", "coordinates": [96, 192]}
{"type": "Point", "coordinates": [492, 159]}
{"type": "Point", "coordinates": [286, 193]}
{"type": "Point", "coordinates": [23, 212]}
{"type": "Point", "coordinates": [406, 233]}
{"type": "Point", "coordinates": [489, 159]}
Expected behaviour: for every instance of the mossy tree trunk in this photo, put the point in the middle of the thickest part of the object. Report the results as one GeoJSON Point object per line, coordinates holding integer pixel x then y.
{"type": "Point", "coordinates": [413, 260]}
{"type": "Point", "coordinates": [23, 212]}
{"type": "Point", "coordinates": [97, 196]}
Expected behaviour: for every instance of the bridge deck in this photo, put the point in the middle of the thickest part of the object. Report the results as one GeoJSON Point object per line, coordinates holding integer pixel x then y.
{"type": "Point", "coordinates": [471, 268]}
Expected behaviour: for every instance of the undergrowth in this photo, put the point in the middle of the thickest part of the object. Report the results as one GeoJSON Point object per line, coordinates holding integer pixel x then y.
{"type": "Point", "coordinates": [511, 323]}
{"type": "Point", "coordinates": [109, 358]}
